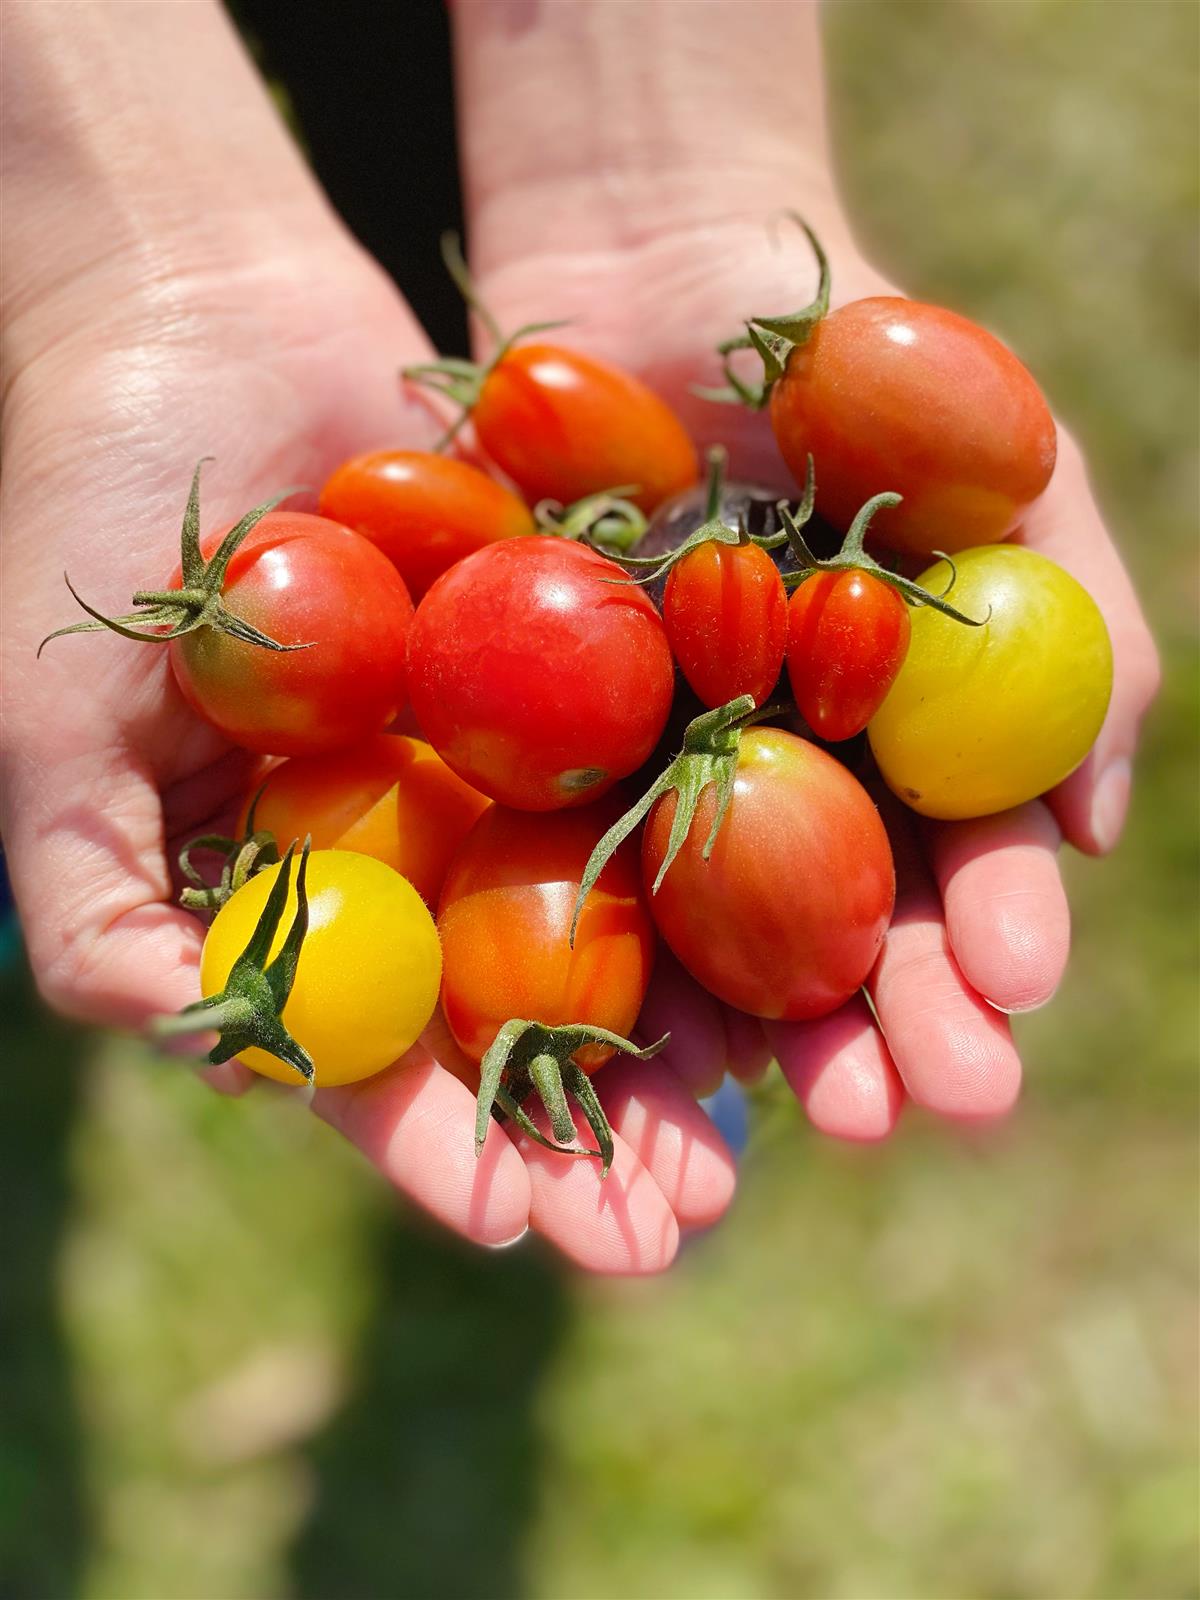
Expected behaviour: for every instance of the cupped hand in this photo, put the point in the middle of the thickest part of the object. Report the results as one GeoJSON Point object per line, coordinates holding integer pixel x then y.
{"type": "Point", "coordinates": [981, 926]}
{"type": "Point", "coordinates": [279, 372]}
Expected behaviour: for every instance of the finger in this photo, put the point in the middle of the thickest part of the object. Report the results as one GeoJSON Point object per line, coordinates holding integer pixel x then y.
{"type": "Point", "coordinates": [416, 1124]}
{"type": "Point", "coordinates": [618, 1224]}
{"type": "Point", "coordinates": [840, 1070]}
{"type": "Point", "coordinates": [676, 1004]}
{"type": "Point", "coordinates": [1066, 525]}
{"type": "Point", "coordinates": [952, 1050]}
{"type": "Point", "coordinates": [1006, 911]}
{"type": "Point", "coordinates": [747, 1053]}
{"type": "Point", "coordinates": [658, 1118]}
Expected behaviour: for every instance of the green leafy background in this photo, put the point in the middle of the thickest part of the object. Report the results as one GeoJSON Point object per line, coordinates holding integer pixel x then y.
{"type": "Point", "coordinates": [958, 1366]}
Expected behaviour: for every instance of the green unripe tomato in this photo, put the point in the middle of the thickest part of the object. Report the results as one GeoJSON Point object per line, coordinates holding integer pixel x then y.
{"type": "Point", "coordinates": [981, 719]}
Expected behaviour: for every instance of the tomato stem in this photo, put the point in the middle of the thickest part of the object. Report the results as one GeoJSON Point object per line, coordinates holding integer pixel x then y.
{"type": "Point", "coordinates": [197, 603]}
{"type": "Point", "coordinates": [243, 857]}
{"type": "Point", "coordinates": [248, 1010]}
{"type": "Point", "coordinates": [531, 1057]}
{"type": "Point", "coordinates": [608, 521]}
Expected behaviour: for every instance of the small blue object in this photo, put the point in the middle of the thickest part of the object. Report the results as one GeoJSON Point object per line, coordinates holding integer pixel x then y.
{"type": "Point", "coordinates": [10, 930]}
{"type": "Point", "coordinates": [730, 1113]}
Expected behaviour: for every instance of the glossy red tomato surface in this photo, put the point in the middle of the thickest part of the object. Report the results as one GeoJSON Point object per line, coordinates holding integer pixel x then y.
{"type": "Point", "coordinates": [304, 580]}
{"type": "Point", "coordinates": [392, 798]}
{"type": "Point", "coordinates": [424, 511]}
{"type": "Point", "coordinates": [848, 634]}
{"type": "Point", "coordinates": [889, 395]}
{"type": "Point", "coordinates": [564, 425]}
{"type": "Point", "coordinates": [726, 614]}
{"type": "Point", "coordinates": [505, 920]}
{"type": "Point", "coordinates": [539, 674]}
{"type": "Point", "coordinates": [787, 916]}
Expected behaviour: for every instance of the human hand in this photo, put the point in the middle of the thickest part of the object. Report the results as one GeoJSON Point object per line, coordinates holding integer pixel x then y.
{"type": "Point", "coordinates": [658, 260]}
{"type": "Point", "coordinates": [278, 356]}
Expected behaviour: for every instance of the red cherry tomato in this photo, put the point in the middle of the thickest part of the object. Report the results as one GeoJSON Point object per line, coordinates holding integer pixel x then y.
{"type": "Point", "coordinates": [391, 798]}
{"type": "Point", "coordinates": [424, 511]}
{"type": "Point", "coordinates": [726, 614]}
{"type": "Point", "coordinates": [892, 395]}
{"type": "Point", "coordinates": [302, 580]}
{"type": "Point", "coordinates": [505, 920]}
{"type": "Point", "coordinates": [564, 425]}
{"type": "Point", "coordinates": [847, 637]}
{"type": "Point", "coordinates": [538, 678]}
{"type": "Point", "coordinates": [786, 917]}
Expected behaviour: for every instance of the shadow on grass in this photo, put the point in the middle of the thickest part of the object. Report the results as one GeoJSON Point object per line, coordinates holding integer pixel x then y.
{"type": "Point", "coordinates": [44, 1531]}
{"type": "Point", "coordinates": [428, 1478]}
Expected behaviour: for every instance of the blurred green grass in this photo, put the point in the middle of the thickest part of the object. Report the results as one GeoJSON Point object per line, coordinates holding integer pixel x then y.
{"type": "Point", "coordinates": [953, 1367]}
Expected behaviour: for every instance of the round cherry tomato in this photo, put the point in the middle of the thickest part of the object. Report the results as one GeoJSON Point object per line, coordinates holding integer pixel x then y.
{"type": "Point", "coordinates": [302, 580]}
{"type": "Point", "coordinates": [424, 511]}
{"type": "Point", "coordinates": [891, 395]}
{"type": "Point", "coordinates": [505, 920]}
{"type": "Point", "coordinates": [787, 915]}
{"type": "Point", "coordinates": [726, 615]}
{"type": "Point", "coordinates": [367, 978]}
{"type": "Point", "coordinates": [981, 719]}
{"type": "Point", "coordinates": [539, 673]}
{"type": "Point", "coordinates": [564, 425]}
{"type": "Point", "coordinates": [391, 798]}
{"type": "Point", "coordinates": [847, 637]}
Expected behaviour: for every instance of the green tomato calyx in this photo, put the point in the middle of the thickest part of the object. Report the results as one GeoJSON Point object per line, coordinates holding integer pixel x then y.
{"type": "Point", "coordinates": [248, 1010]}
{"type": "Point", "coordinates": [460, 381]}
{"type": "Point", "coordinates": [709, 755]}
{"type": "Point", "coordinates": [530, 1058]}
{"type": "Point", "coordinates": [241, 859]}
{"type": "Point", "coordinates": [609, 521]}
{"type": "Point", "coordinates": [772, 338]}
{"type": "Point", "coordinates": [852, 557]}
{"type": "Point", "coordinates": [712, 530]}
{"type": "Point", "coordinates": [198, 603]}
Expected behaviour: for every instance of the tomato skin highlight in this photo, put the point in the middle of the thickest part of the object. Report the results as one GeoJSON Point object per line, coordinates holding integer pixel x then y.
{"type": "Point", "coordinates": [983, 719]}
{"type": "Point", "coordinates": [892, 395]}
{"type": "Point", "coordinates": [302, 580]}
{"type": "Point", "coordinates": [539, 673]}
{"type": "Point", "coordinates": [505, 920]}
{"type": "Point", "coordinates": [848, 634]}
{"type": "Point", "coordinates": [424, 511]}
{"type": "Point", "coordinates": [392, 798]}
{"type": "Point", "coordinates": [367, 979]}
{"type": "Point", "coordinates": [726, 615]}
{"type": "Point", "coordinates": [788, 914]}
{"type": "Point", "coordinates": [564, 425]}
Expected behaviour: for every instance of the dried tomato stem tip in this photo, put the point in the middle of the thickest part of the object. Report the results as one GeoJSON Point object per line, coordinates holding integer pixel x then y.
{"type": "Point", "coordinates": [243, 857]}
{"type": "Point", "coordinates": [608, 521]}
{"type": "Point", "coordinates": [247, 1012]}
{"type": "Point", "coordinates": [531, 1058]}
{"type": "Point", "coordinates": [772, 338]}
{"type": "Point", "coordinates": [852, 557]}
{"type": "Point", "coordinates": [709, 755]}
{"type": "Point", "coordinates": [461, 382]}
{"type": "Point", "coordinates": [197, 603]}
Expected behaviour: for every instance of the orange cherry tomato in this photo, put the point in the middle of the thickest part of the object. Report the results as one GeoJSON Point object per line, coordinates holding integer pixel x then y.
{"type": "Point", "coordinates": [424, 511]}
{"type": "Point", "coordinates": [564, 425]}
{"type": "Point", "coordinates": [848, 635]}
{"type": "Point", "coordinates": [888, 394]}
{"type": "Point", "coordinates": [392, 798]}
{"type": "Point", "coordinates": [505, 920]}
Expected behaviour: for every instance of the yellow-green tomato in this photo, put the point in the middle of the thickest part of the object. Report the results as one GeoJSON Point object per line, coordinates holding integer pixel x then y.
{"type": "Point", "coordinates": [981, 719]}
{"type": "Point", "coordinates": [369, 970]}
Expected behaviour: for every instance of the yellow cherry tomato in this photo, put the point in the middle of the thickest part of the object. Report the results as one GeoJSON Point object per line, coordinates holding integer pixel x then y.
{"type": "Point", "coordinates": [391, 797]}
{"type": "Point", "coordinates": [369, 970]}
{"type": "Point", "coordinates": [981, 719]}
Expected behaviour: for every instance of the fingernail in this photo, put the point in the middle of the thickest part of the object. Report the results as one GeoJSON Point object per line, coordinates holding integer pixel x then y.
{"type": "Point", "coordinates": [1110, 803]}
{"type": "Point", "coordinates": [507, 1244]}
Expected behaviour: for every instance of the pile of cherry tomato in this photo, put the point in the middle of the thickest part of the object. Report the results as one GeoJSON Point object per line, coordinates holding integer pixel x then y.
{"type": "Point", "coordinates": [533, 727]}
